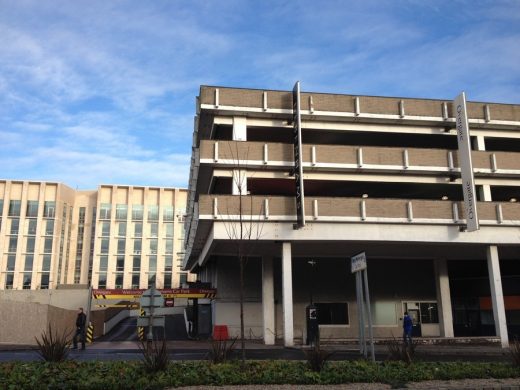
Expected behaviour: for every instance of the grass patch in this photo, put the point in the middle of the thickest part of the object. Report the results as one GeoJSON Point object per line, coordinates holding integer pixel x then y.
{"type": "Point", "coordinates": [133, 375]}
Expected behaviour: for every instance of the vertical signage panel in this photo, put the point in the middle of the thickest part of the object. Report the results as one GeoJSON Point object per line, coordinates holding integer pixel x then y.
{"type": "Point", "coordinates": [466, 167]}
{"type": "Point", "coordinates": [298, 166]}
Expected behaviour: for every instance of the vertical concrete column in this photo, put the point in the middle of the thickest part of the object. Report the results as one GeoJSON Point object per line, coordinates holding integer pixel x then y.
{"type": "Point", "coordinates": [239, 128]}
{"type": "Point", "coordinates": [239, 182]}
{"type": "Point", "coordinates": [268, 300]}
{"type": "Point", "coordinates": [442, 283]}
{"type": "Point", "coordinates": [497, 296]}
{"type": "Point", "coordinates": [287, 299]}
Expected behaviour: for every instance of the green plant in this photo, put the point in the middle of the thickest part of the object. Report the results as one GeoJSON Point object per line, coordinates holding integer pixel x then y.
{"type": "Point", "coordinates": [317, 357]}
{"type": "Point", "coordinates": [53, 347]}
{"type": "Point", "coordinates": [514, 348]}
{"type": "Point", "coordinates": [399, 351]}
{"type": "Point", "coordinates": [155, 358]}
{"type": "Point", "coordinates": [220, 351]}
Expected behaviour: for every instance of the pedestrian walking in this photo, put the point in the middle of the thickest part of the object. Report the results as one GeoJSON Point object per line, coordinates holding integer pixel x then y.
{"type": "Point", "coordinates": [407, 329]}
{"type": "Point", "coordinates": [81, 321]}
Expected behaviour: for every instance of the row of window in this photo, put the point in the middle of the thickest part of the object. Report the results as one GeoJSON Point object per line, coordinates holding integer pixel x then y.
{"type": "Point", "coordinates": [136, 263]}
{"type": "Point", "coordinates": [137, 247]}
{"type": "Point", "coordinates": [31, 211]}
{"type": "Point", "coordinates": [105, 212]}
{"type": "Point", "coordinates": [27, 280]}
{"type": "Point", "coordinates": [152, 229]}
{"type": "Point", "coordinates": [12, 245]}
{"type": "Point", "coordinates": [31, 227]}
{"type": "Point", "coordinates": [136, 279]}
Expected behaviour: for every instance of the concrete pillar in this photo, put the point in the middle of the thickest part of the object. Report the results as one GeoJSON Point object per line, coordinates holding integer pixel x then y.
{"type": "Point", "coordinates": [239, 182]}
{"type": "Point", "coordinates": [239, 128]}
{"type": "Point", "coordinates": [287, 299]}
{"type": "Point", "coordinates": [268, 301]}
{"type": "Point", "coordinates": [497, 296]}
{"type": "Point", "coordinates": [442, 283]}
{"type": "Point", "coordinates": [479, 143]}
{"type": "Point", "coordinates": [485, 193]}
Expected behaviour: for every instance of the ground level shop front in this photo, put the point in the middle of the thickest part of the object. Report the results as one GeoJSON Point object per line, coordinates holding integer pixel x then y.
{"type": "Point", "coordinates": [447, 290]}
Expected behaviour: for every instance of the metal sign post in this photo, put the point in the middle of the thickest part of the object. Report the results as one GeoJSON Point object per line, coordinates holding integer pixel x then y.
{"type": "Point", "coordinates": [150, 300]}
{"type": "Point", "coordinates": [359, 267]}
{"type": "Point", "coordinates": [298, 164]}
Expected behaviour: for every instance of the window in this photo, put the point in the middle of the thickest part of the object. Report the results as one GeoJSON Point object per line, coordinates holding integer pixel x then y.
{"type": "Point", "coordinates": [49, 209]}
{"type": "Point", "coordinates": [168, 213]}
{"type": "Point", "coordinates": [138, 229]}
{"type": "Point", "coordinates": [1, 207]}
{"type": "Point", "coordinates": [44, 283]}
{"type": "Point", "coordinates": [168, 247]}
{"type": "Point", "coordinates": [120, 263]}
{"type": "Point", "coordinates": [32, 209]}
{"type": "Point", "coordinates": [47, 245]}
{"type": "Point", "coordinates": [332, 313]}
{"type": "Point", "coordinates": [105, 245]}
{"type": "Point", "coordinates": [137, 212]}
{"type": "Point", "coordinates": [104, 210]}
{"type": "Point", "coordinates": [121, 229]}
{"type": "Point", "coordinates": [29, 260]}
{"type": "Point", "coordinates": [49, 227]}
{"type": "Point", "coordinates": [152, 265]}
{"type": "Point", "coordinates": [15, 226]}
{"type": "Point", "coordinates": [11, 262]}
{"type": "Point", "coordinates": [429, 313]}
{"type": "Point", "coordinates": [46, 263]}
{"type": "Point", "coordinates": [31, 227]}
{"type": "Point", "coordinates": [121, 211]}
{"type": "Point", "coordinates": [121, 245]}
{"type": "Point", "coordinates": [105, 229]}
{"type": "Point", "coordinates": [13, 243]}
{"type": "Point", "coordinates": [168, 263]}
{"type": "Point", "coordinates": [102, 283]}
{"type": "Point", "coordinates": [183, 279]}
{"type": "Point", "coordinates": [153, 247]}
{"type": "Point", "coordinates": [384, 313]}
{"type": "Point", "coordinates": [14, 208]}
{"type": "Point", "coordinates": [29, 248]}
{"type": "Point", "coordinates": [103, 263]}
{"type": "Point", "coordinates": [169, 230]}
{"type": "Point", "coordinates": [153, 213]}
{"type": "Point", "coordinates": [135, 280]}
{"type": "Point", "coordinates": [9, 279]}
{"type": "Point", "coordinates": [154, 229]}
{"type": "Point", "coordinates": [136, 266]}
{"type": "Point", "coordinates": [119, 280]}
{"type": "Point", "coordinates": [168, 280]}
{"type": "Point", "coordinates": [27, 278]}
{"type": "Point", "coordinates": [137, 247]}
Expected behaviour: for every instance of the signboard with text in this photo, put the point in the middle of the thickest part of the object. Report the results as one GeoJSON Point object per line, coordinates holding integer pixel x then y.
{"type": "Point", "coordinates": [166, 293]}
{"type": "Point", "coordinates": [298, 166]}
{"type": "Point", "coordinates": [358, 262]}
{"type": "Point", "coordinates": [466, 167]}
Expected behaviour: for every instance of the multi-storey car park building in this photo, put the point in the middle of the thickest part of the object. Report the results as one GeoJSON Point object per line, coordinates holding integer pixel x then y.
{"type": "Point", "coordinates": [380, 175]}
{"type": "Point", "coordinates": [113, 237]}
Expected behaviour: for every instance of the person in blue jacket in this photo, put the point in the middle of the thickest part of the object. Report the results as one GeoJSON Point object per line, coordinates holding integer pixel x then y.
{"type": "Point", "coordinates": [407, 329]}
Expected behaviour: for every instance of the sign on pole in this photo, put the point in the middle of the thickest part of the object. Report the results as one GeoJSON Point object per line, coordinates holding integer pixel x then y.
{"type": "Point", "coordinates": [358, 266]}
{"type": "Point", "coordinates": [466, 167]}
{"type": "Point", "coordinates": [298, 166]}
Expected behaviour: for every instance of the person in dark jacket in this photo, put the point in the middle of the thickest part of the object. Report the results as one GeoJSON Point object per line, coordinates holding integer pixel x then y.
{"type": "Point", "coordinates": [81, 321]}
{"type": "Point", "coordinates": [407, 329]}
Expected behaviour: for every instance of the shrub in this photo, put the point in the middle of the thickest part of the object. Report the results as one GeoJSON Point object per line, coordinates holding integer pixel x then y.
{"type": "Point", "coordinates": [220, 350]}
{"type": "Point", "coordinates": [53, 347]}
{"type": "Point", "coordinates": [317, 357]}
{"type": "Point", "coordinates": [400, 351]}
{"type": "Point", "coordinates": [155, 358]}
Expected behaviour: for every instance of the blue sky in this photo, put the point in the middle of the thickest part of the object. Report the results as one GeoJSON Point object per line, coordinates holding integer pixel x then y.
{"type": "Point", "coordinates": [98, 91]}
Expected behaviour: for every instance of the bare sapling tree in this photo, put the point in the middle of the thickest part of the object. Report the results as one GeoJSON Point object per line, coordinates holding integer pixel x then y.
{"type": "Point", "coordinates": [243, 225]}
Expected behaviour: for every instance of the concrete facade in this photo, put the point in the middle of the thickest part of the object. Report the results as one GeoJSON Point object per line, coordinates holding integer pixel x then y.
{"type": "Point", "coordinates": [112, 237]}
{"type": "Point", "coordinates": [381, 175]}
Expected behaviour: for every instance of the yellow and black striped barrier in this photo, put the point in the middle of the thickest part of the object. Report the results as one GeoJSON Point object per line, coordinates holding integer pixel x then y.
{"type": "Point", "coordinates": [90, 333]}
{"type": "Point", "coordinates": [140, 329]}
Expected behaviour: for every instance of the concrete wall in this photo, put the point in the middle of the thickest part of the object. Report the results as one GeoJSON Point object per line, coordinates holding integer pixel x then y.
{"type": "Point", "coordinates": [27, 313]}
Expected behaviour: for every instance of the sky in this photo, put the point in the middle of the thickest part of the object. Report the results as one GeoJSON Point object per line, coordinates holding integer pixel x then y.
{"type": "Point", "coordinates": [103, 92]}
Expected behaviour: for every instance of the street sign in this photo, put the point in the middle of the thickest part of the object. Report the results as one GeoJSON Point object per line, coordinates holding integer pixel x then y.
{"type": "Point", "coordinates": [358, 262]}
{"type": "Point", "coordinates": [155, 321]}
{"type": "Point", "coordinates": [298, 162]}
{"type": "Point", "coordinates": [151, 298]}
